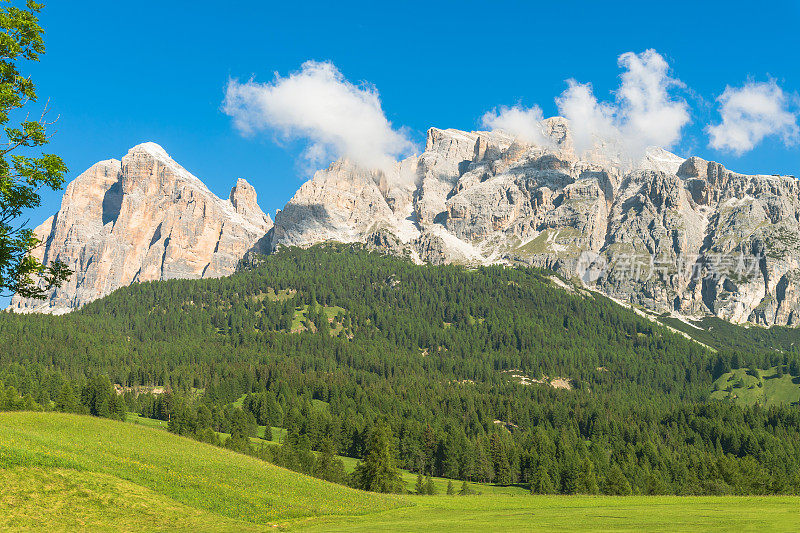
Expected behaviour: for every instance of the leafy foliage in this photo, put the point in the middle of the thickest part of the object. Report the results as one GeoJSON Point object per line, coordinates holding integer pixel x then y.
{"type": "Point", "coordinates": [23, 174]}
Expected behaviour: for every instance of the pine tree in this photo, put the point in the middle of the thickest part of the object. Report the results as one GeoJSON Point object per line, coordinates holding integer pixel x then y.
{"type": "Point", "coordinates": [542, 483]}
{"type": "Point", "coordinates": [377, 471]}
{"type": "Point", "coordinates": [616, 482]}
{"type": "Point", "coordinates": [502, 468]}
{"type": "Point", "coordinates": [587, 480]}
{"type": "Point", "coordinates": [450, 489]}
{"type": "Point", "coordinates": [430, 488]}
{"type": "Point", "coordinates": [66, 400]}
{"type": "Point", "coordinates": [419, 486]}
{"type": "Point", "coordinates": [328, 466]}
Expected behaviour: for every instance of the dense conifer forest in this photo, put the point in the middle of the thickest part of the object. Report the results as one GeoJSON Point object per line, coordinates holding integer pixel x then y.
{"type": "Point", "coordinates": [492, 374]}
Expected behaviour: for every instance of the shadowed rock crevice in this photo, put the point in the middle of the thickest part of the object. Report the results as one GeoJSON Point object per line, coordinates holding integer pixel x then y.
{"type": "Point", "coordinates": [112, 203]}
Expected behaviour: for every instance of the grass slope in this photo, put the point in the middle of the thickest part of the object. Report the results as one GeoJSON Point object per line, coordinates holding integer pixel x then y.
{"type": "Point", "coordinates": [220, 482]}
{"type": "Point", "coordinates": [62, 499]}
{"type": "Point", "coordinates": [67, 472]}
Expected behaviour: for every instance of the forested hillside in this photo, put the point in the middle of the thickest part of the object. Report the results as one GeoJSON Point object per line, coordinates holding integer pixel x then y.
{"type": "Point", "coordinates": [493, 374]}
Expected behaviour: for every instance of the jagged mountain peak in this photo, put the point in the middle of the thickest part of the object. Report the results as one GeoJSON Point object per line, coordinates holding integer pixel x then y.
{"type": "Point", "coordinates": [244, 200]}
{"type": "Point", "coordinates": [669, 234]}
{"type": "Point", "coordinates": [675, 235]}
{"type": "Point", "coordinates": [139, 219]}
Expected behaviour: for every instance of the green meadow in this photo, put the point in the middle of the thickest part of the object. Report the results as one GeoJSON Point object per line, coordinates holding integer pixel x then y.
{"type": "Point", "coordinates": [62, 472]}
{"type": "Point", "coordinates": [766, 389]}
{"type": "Point", "coordinates": [575, 513]}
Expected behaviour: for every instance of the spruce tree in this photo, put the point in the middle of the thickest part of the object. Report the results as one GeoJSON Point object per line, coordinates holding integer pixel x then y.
{"type": "Point", "coordinates": [430, 488]}
{"type": "Point", "coordinates": [377, 471]}
{"type": "Point", "coordinates": [419, 486]}
{"type": "Point", "coordinates": [542, 483]}
{"type": "Point", "coordinates": [616, 482]}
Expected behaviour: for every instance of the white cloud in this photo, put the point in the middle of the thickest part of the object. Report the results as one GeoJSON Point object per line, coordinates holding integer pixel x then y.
{"type": "Point", "coordinates": [648, 111]}
{"type": "Point", "coordinates": [591, 123]}
{"type": "Point", "coordinates": [644, 113]}
{"type": "Point", "coordinates": [525, 124]}
{"type": "Point", "coordinates": [750, 113]}
{"type": "Point", "coordinates": [336, 117]}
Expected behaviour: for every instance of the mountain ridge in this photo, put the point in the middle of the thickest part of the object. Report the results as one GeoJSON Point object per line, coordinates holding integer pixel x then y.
{"type": "Point", "coordinates": [673, 235]}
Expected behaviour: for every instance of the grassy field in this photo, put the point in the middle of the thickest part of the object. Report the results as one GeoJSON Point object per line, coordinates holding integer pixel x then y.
{"type": "Point", "coordinates": [575, 513]}
{"type": "Point", "coordinates": [300, 320]}
{"type": "Point", "coordinates": [134, 418]}
{"type": "Point", "coordinates": [62, 499]}
{"type": "Point", "coordinates": [440, 483]}
{"type": "Point", "coordinates": [766, 389]}
{"type": "Point", "coordinates": [65, 472]}
{"type": "Point", "coordinates": [211, 480]}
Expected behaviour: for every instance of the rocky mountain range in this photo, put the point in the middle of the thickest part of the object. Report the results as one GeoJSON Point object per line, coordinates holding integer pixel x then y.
{"type": "Point", "coordinates": [687, 237]}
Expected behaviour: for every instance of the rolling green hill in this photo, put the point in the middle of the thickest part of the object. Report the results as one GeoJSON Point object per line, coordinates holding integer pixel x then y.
{"type": "Point", "coordinates": [61, 472]}
{"type": "Point", "coordinates": [492, 375]}
{"type": "Point", "coordinates": [114, 460]}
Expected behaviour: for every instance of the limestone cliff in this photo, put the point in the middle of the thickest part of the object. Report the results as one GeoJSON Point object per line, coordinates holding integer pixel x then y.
{"type": "Point", "coordinates": [140, 219]}
{"type": "Point", "coordinates": [671, 235]}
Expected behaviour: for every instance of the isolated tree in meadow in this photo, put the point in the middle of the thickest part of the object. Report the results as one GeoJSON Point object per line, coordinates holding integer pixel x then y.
{"type": "Point", "coordinates": [377, 471]}
{"type": "Point", "coordinates": [419, 486]}
{"type": "Point", "coordinates": [24, 170]}
{"type": "Point", "coordinates": [450, 489]}
{"type": "Point", "coordinates": [430, 488]}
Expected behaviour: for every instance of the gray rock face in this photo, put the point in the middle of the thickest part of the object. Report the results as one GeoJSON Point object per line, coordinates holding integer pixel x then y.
{"type": "Point", "coordinates": [140, 219]}
{"type": "Point", "coordinates": [671, 235]}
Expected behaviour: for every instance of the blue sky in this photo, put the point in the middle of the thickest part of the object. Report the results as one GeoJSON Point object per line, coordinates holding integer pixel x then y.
{"type": "Point", "coordinates": [120, 73]}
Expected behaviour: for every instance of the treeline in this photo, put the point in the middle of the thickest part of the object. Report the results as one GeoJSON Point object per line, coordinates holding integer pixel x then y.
{"type": "Point", "coordinates": [433, 353]}
{"type": "Point", "coordinates": [96, 396]}
{"type": "Point", "coordinates": [714, 448]}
